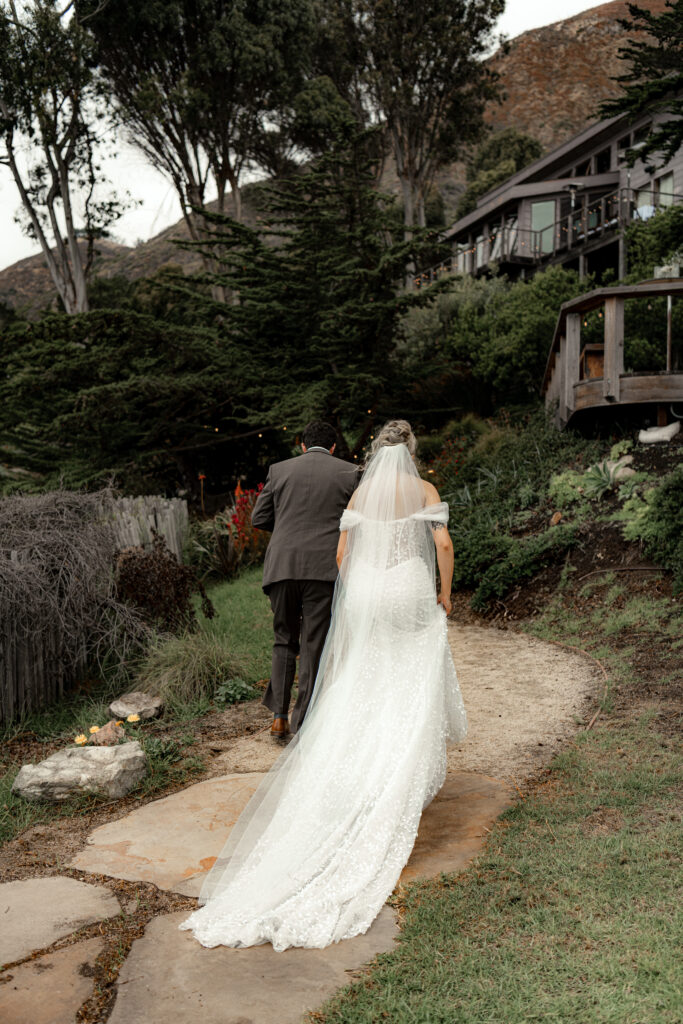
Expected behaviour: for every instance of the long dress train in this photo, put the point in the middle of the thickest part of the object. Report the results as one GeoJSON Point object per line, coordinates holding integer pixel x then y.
{"type": "Point", "coordinates": [321, 844]}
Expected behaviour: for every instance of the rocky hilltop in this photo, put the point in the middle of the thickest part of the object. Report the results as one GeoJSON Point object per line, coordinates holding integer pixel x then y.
{"type": "Point", "coordinates": [554, 79]}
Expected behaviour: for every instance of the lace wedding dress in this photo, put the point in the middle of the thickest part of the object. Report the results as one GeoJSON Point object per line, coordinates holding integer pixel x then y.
{"type": "Point", "coordinates": [320, 846]}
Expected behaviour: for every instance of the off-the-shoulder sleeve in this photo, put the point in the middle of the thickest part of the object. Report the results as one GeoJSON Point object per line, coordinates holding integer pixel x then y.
{"type": "Point", "coordinates": [433, 513]}
{"type": "Point", "coordinates": [349, 519]}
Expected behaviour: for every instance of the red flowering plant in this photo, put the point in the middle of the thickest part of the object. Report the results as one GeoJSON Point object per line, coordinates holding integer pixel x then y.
{"type": "Point", "coordinates": [228, 542]}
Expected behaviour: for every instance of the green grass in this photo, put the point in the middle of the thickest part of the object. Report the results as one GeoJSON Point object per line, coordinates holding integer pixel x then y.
{"type": "Point", "coordinates": [572, 914]}
{"type": "Point", "coordinates": [243, 613]}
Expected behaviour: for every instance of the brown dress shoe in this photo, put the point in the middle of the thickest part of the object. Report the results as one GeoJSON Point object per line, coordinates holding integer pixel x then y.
{"type": "Point", "coordinates": [279, 730]}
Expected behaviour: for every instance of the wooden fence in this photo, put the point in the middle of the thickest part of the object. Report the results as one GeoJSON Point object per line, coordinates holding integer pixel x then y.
{"type": "Point", "coordinates": [135, 518]}
{"type": "Point", "coordinates": [33, 673]}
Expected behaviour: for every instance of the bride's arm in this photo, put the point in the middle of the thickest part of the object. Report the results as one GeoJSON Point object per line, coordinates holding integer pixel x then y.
{"type": "Point", "coordinates": [341, 548]}
{"type": "Point", "coordinates": [444, 556]}
{"type": "Point", "coordinates": [444, 550]}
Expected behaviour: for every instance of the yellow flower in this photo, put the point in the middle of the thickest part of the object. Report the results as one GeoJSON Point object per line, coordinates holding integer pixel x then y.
{"type": "Point", "coordinates": [120, 723]}
{"type": "Point", "coordinates": [81, 740]}
{"type": "Point", "coordinates": [94, 728]}
{"type": "Point", "coordinates": [133, 718]}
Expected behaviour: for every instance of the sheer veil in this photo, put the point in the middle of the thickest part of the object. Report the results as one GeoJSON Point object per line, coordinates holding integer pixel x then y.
{"type": "Point", "coordinates": [384, 606]}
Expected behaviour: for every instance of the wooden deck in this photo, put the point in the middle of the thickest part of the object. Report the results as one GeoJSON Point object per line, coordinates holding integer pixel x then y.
{"type": "Point", "coordinates": [570, 388]}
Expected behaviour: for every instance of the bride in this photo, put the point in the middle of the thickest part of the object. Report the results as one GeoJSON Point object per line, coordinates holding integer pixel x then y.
{"type": "Point", "coordinates": [321, 844]}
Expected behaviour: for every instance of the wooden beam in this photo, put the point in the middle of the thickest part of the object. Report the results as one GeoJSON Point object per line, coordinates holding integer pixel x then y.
{"type": "Point", "coordinates": [614, 347]}
{"type": "Point", "coordinates": [572, 356]}
{"type": "Point", "coordinates": [562, 409]}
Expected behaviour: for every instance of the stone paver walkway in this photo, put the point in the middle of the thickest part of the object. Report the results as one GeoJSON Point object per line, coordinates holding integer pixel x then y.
{"type": "Point", "coordinates": [523, 699]}
{"type": "Point", "coordinates": [51, 989]}
{"type": "Point", "coordinates": [36, 912]}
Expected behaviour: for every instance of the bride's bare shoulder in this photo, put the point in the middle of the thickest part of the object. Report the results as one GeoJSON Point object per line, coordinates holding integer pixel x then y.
{"type": "Point", "coordinates": [431, 493]}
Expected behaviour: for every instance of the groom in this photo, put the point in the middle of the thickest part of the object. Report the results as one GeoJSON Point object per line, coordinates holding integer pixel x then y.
{"type": "Point", "coordinates": [301, 504]}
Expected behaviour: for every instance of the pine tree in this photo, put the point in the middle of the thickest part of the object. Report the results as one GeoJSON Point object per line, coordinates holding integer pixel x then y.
{"type": "Point", "coordinates": [654, 81]}
{"type": "Point", "coordinates": [319, 294]}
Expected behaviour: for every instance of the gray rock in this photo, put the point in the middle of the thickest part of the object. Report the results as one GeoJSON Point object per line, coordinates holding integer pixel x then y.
{"type": "Point", "coordinates": [35, 912]}
{"type": "Point", "coordinates": [108, 735]}
{"type": "Point", "coordinates": [137, 703]}
{"type": "Point", "coordinates": [109, 771]}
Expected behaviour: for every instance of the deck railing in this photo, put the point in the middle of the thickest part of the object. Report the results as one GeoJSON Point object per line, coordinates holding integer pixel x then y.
{"type": "Point", "coordinates": [511, 244]}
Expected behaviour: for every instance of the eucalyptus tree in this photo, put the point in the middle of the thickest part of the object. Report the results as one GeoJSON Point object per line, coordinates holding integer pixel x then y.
{"type": "Point", "coordinates": [50, 123]}
{"type": "Point", "coordinates": [201, 85]}
{"type": "Point", "coordinates": [653, 78]}
{"type": "Point", "coordinates": [426, 80]}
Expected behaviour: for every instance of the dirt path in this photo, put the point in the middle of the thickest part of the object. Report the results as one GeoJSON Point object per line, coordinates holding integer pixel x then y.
{"type": "Point", "coordinates": [523, 698]}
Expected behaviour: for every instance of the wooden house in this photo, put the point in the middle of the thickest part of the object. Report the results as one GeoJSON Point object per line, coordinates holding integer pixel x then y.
{"type": "Point", "coordinates": [568, 208]}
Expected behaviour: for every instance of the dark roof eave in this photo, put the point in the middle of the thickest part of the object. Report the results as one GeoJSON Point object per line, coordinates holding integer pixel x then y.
{"type": "Point", "coordinates": [522, 191]}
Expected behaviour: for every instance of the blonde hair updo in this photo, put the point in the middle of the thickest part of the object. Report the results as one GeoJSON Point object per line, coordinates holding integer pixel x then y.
{"type": "Point", "coordinates": [395, 432]}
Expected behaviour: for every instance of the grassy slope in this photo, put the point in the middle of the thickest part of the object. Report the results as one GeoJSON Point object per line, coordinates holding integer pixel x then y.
{"type": "Point", "coordinates": [573, 912]}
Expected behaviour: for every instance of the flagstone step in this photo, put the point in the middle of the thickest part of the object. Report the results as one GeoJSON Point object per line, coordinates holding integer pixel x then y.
{"type": "Point", "coordinates": [168, 976]}
{"type": "Point", "coordinates": [36, 912]}
{"type": "Point", "coordinates": [51, 989]}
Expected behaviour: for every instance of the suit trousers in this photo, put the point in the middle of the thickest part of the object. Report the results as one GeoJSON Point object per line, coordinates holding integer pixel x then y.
{"type": "Point", "coordinates": [301, 619]}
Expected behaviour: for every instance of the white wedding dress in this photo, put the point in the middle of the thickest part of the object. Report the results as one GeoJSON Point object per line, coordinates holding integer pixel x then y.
{"type": "Point", "coordinates": [321, 845]}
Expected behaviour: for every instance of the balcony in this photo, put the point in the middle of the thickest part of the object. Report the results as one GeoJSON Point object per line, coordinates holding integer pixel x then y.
{"type": "Point", "coordinates": [579, 231]}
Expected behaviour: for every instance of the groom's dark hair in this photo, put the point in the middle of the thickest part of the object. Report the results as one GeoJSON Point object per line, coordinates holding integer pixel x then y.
{"type": "Point", "coordinates": [318, 434]}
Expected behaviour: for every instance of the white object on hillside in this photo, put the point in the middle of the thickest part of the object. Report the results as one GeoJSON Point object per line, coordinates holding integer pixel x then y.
{"type": "Point", "coordinates": [109, 771]}
{"type": "Point", "coordinates": [136, 703]}
{"type": "Point", "coordinates": [654, 434]}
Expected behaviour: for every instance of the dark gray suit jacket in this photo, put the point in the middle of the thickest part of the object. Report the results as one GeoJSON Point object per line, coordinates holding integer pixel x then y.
{"type": "Point", "coordinates": [301, 504]}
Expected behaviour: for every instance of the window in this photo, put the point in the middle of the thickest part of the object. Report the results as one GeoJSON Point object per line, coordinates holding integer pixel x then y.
{"type": "Point", "coordinates": [583, 169]}
{"type": "Point", "coordinates": [623, 144]}
{"type": "Point", "coordinates": [543, 225]}
{"type": "Point", "coordinates": [640, 134]}
{"type": "Point", "coordinates": [664, 190]}
{"type": "Point", "coordinates": [645, 206]}
{"type": "Point", "coordinates": [603, 161]}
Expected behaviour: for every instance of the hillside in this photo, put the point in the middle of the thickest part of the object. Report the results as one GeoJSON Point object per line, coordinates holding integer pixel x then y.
{"type": "Point", "coordinates": [553, 78]}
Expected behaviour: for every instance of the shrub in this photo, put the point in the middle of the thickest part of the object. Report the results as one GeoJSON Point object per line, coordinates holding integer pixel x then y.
{"type": "Point", "coordinates": [159, 586]}
{"type": "Point", "coordinates": [476, 546]}
{"type": "Point", "coordinates": [189, 667]}
{"type": "Point", "coordinates": [564, 488]}
{"type": "Point", "coordinates": [57, 596]}
{"type": "Point", "coordinates": [524, 558]}
{"type": "Point", "coordinates": [232, 691]}
{"type": "Point", "coordinates": [656, 519]}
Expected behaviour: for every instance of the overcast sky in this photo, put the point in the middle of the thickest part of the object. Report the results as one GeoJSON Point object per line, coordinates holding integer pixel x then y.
{"type": "Point", "coordinates": [159, 208]}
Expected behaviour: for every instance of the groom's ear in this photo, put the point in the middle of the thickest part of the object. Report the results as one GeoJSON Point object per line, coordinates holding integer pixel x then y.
{"type": "Point", "coordinates": [332, 448]}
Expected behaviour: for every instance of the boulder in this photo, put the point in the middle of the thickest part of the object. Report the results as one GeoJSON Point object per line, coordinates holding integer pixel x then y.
{"type": "Point", "coordinates": [108, 735]}
{"type": "Point", "coordinates": [108, 771]}
{"type": "Point", "coordinates": [620, 469]}
{"type": "Point", "coordinates": [137, 703]}
{"type": "Point", "coordinates": [654, 434]}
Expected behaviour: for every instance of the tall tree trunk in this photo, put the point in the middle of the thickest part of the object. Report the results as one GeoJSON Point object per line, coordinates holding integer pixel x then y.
{"type": "Point", "coordinates": [408, 226]}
